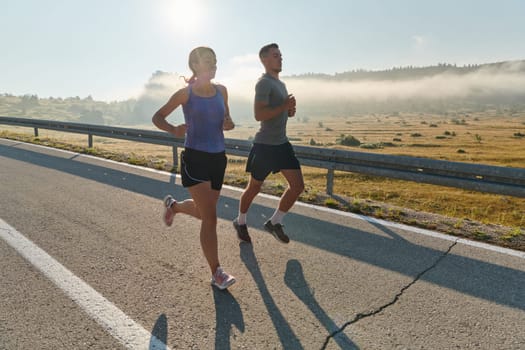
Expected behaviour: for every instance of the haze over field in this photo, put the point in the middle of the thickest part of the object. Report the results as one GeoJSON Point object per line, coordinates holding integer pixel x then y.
{"type": "Point", "coordinates": [486, 84]}
{"type": "Point", "coordinates": [437, 89]}
{"type": "Point", "coordinates": [507, 79]}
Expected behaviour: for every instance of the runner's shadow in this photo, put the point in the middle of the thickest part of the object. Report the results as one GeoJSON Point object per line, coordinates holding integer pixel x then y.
{"type": "Point", "coordinates": [286, 335]}
{"type": "Point", "coordinates": [227, 314]}
{"type": "Point", "coordinates": [159, 334]}
{"type": "Point", "coordinates": [294, 279]}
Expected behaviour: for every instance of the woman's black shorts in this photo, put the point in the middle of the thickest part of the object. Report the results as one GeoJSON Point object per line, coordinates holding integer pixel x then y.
{"type": "Point", "coordinates": [266, 159]}
{"type": "Point", "coordinates": [198, 166]}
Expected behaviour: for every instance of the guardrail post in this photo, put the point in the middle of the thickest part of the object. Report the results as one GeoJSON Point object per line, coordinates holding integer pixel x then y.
{"type": "Point", "coordinates": [90, 141]}
{"type": "Point", "coordinates": [175, 158]}
{"type": "Point", "coordinates": [36, 132]}
{"type": "Point", "coordinates": [330, 182]}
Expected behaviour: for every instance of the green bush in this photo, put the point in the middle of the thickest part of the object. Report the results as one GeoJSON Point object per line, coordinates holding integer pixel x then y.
{"type": "Point", "coordinates": [348, 140]}
{"type": "Point", "coordinates": [371, 145]}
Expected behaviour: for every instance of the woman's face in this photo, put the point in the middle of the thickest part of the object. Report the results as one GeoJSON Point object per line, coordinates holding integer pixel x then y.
{"type": "Point", "coordinates": [206, 66]}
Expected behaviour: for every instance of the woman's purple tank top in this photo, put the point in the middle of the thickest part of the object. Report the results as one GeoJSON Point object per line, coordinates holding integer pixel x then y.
{"type": "Point", "coordinates": [204, 117]}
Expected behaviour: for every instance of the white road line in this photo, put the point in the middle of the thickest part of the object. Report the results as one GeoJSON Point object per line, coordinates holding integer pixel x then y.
{"type": "Point", "coordinates": [421, 231]}
{"type": "Point", "coordinates": [131, 334]}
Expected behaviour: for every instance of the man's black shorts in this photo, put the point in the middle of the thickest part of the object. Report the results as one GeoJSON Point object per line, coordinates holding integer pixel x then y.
{"type": "Point", "coordinates": [266, 159]}
{"type": "Point", "coordinates": [198, 166]}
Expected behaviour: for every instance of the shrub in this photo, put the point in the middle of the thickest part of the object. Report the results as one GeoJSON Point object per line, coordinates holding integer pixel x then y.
{"type": "Point", "coordinates": [478, 138]}
{"type": "Point", "coordinates": [459, 122]}
{"type": "Point", "coordinates": [376, 145]}
{"type": "Point", "coordinates": [348, 140]}
{"type": "Point", "coordinates": [331, 203]}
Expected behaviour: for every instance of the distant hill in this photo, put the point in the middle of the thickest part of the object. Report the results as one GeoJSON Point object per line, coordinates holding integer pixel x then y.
{"type": "Point", "coordinates": [412, 73]}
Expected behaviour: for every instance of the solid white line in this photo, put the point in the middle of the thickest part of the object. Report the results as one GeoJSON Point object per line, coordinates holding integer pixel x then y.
{"type": "Point", "coordinates": [131, 334]}
{"type": "Point", "coordinates": [425, 232]}
{"type": "Point", "coordinates": [421, 231]}
{"type": "Point", "coordinates": [403, 227]}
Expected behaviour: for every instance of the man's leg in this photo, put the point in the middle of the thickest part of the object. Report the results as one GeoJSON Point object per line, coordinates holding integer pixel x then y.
{"type": "Point", "coordinates": [247, 197]}
{"type": "Point", "coordinates": [239, 223]}
{"type": "Point", "coordinates": [295, 188]}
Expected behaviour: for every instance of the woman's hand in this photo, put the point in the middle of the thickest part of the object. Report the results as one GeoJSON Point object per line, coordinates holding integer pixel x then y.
{"type": "Point", "coordinates": [228, 123]}
{"type": "Point", "coordinates": [179, 130]}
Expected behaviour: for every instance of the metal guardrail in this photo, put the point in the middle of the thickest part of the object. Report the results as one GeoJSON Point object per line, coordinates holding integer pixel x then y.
{"type": "Point", "coordinates": [477, 177]}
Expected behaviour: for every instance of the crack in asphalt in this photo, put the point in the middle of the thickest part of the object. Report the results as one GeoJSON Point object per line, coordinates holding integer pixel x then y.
{"type": "Point", "coordinates": [361, 316]}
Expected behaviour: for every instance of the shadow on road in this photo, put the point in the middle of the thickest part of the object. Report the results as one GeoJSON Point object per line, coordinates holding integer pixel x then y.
{"type": "Point", "coordinates": [159, 334]}
{"type": "Point", "coordinates": [473, 277]}
{"type": "Point", "coordinates": [294, 279]}
{"type": "Point", "coordinates": [286, 335]}
{"type": "Point", "coordinates": [227, 314]}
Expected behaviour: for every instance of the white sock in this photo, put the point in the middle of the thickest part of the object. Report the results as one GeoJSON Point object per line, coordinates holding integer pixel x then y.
{"type": "Point", "coordinates": [277, 217]}
{"type": "Point", "coordinates": [241, 219]}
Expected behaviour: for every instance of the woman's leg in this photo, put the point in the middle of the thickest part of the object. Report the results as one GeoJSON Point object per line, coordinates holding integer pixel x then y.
{"type": "Point", "coordinates": [187, 206]}
{"type": "Point", "coordinates": [205, 203]}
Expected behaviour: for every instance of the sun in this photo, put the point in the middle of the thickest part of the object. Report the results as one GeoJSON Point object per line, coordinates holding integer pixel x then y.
{"type": "Point", "coordinates": [184, 16]}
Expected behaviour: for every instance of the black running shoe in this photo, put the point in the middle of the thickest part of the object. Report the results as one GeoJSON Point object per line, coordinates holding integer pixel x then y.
{"type": "Point", "coordinates": [242, 232]}
{"type": "Point", "coordinates": [277, 231]}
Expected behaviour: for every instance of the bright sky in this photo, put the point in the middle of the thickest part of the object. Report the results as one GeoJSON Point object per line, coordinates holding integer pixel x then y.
{"type": "Point", "coordinates": [109, 48]}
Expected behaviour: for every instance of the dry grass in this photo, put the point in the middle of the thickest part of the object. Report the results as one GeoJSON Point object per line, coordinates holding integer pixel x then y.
{"type": "Point", "coordinates": [483, 138]}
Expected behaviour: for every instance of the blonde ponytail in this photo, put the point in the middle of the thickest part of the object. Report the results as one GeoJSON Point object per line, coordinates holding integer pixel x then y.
{"type": "Point", "coordinates": [191, 80]}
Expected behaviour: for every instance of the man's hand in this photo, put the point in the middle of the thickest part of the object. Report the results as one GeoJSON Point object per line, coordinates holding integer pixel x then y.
{"type": "Point", "coordinates": [290, 104]}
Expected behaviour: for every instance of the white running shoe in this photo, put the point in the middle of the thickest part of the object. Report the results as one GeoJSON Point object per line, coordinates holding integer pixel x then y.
{"type": "Point", "coordinates": [221, 279]}
{"type": "Point", "coordinates": [168, 215]}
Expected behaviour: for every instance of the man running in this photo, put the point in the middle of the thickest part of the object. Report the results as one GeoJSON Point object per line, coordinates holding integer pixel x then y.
{"type": "Point", "coordinates": [271, 150]}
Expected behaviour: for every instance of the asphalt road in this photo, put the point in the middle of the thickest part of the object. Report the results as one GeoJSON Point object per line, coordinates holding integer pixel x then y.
{"type": "Point", "coordinates": [86, 263]}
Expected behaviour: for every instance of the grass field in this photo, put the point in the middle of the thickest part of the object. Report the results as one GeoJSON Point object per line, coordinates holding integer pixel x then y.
{"type": "Point", "coordinates": [492, 137]}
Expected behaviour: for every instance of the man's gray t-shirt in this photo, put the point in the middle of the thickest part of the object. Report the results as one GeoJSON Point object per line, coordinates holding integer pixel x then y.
{"type": "Point", "coordinates": [274, 93]}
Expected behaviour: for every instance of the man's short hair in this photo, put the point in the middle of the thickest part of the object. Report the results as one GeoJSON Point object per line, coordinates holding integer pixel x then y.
{"type": "Point", "coordinates": [263, 52]}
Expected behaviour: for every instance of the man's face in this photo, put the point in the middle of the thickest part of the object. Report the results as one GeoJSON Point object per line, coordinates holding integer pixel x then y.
{"type": "Point", "coordinates": [273, 61]}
